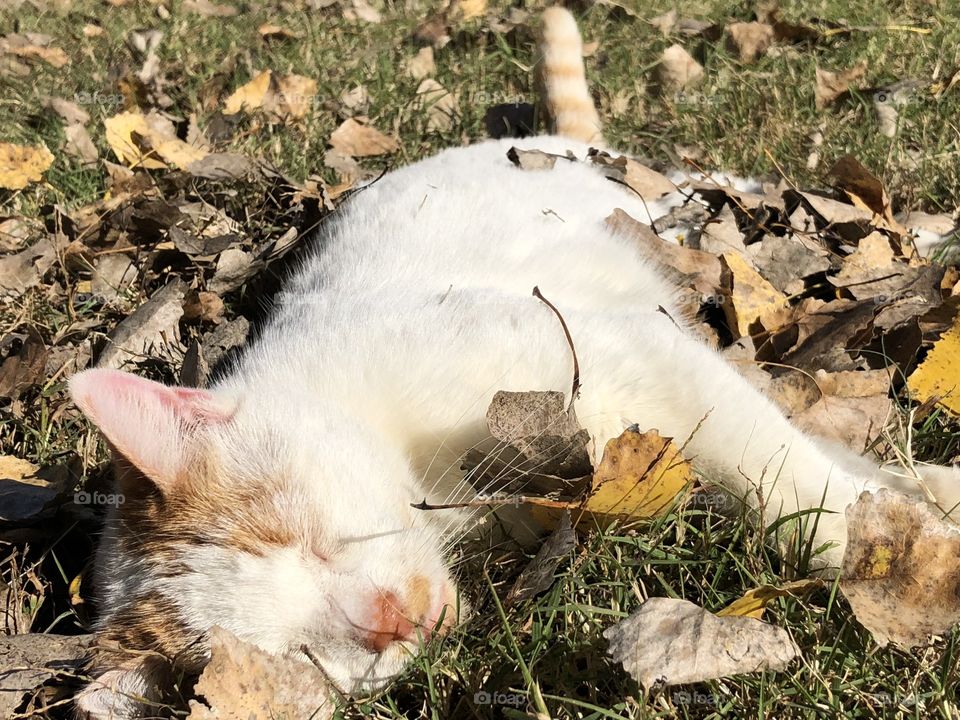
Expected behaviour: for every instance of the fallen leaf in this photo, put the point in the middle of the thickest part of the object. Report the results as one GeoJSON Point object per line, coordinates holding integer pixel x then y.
{"type": "Point", "coordinates": [30, 660]}
{"type": "Point", "coordinates": [234, 267]}
{"type": "Point", "coordinates": [749, 40]}
{"type": "Point", "coordinates": [68, 110]}
{"type": "Point", "coordinates": [751, 303]}
{"type": "Point", "coordinates": [145, 333]}
{"type": "Point", "coordinates": [51, 55]}
{"type": "Point", "coordinates": [79, 144]}
{"type": "Point", "coordinates": [422, 64]}
{"type": "Point", "coordinates": [241, 681]}
{"type": "Point", "coordinates": [754, 601]}
{"type": "Point", "coordinates": [677, 69]}
{"type": "Point", "coordinates": [470, 9]}
{"type": "Point", "coordinates": [250, 96]}
{"type": "Point", "coordinates": [831, 85]}
{"type": "Point", "coordinates": [356, 139]}
{"type": "Point", "coordinates": [828, 335]}
{"type": "Point", "coordinates": [362, 10]}
{"type": "Point", "coordinates": [21, 165]}
{"type": "Point", "coordinates": [204, 306]}
{"type": "Point", "coordinates": [531, 159]}
{"type": "Point", "coordinates": [647, 183]}
{"type": "Point", "coordinates": [938, 377]}
{"type": "Point", "coordinates": [784, 260]}
{"type": "Point", "coordinates": [665, 23]}
{"type": "Point", "coordinates": [695, 269]}
{"type": "Point", "coordinates": [269, 31]}
{"type": "Point", "coordinates": [538, 575]}
{"type": "Point", "coordinates": [205, 8]}
{"type": "Point", "coordinates": [672, 641]}
{"type": "Point", "coordinates": [864, 189]}
{"type": "Point", "coordinates": [222, 166]}
{"type": "Point", "coordinates": [24, 370]}
{"type": "Point", "coordinates": [225, 339]}
{"type": "Point", "coordinates": [23, 270]}
{"type": "Point", "coordinates": [441, 106]}
{"type": "Point", "coordinates": [640, 475]}
{"type": "Point", "coordinates": [295, 96]}
{"type": "Point", "coordinates": [27, 492]}
{"type": "Point", "coordinates": [148, 141]}
{"type": "Point", "coordinates": [851, 421]}
{"type": "Point", "coordinates": [354, 101]}
{"type": "Point", "coordinates": [900, 571]}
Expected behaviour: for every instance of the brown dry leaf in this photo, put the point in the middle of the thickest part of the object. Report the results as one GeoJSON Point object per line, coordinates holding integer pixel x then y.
{"type": "Point", "coordinates": [788, 259]}
{"type": "Point", "coordinates": [865, 190]}
{"type": "Point", "coordinates": [750, 300]}
{"type": "Point", "coordinates": [16, 231]}
{"type": "Point", "coordinates": [204, 306]}
{"type": "Point", "coordinates": [851, 421]}
{"type": "Point", "coordinates": [234, 267]}
{"type": "Point", "coordinates": [250, 96]}
{"type": "Point", "coordinates": [470, 9]}
{"type": "Point", "coordinates": [900, 569]}
{"type": "Point", "coordinates": [532, 159]}
{"type": "Point", "coordinates": [938, 377]}
{"type": "Point", "coordinates": [647, 183]}
{"type": "Point", "coordinates": [354, 101]}
{"type": "Point", "coordinates": [27, 492]}
{"type": "Point", "coordinates": [749, 40]}
{"type": "Point", "coordinates": [441, 106]}
{"type": "Point", "coordinates": [753, 602]}
{"type": "Point", "coordinates": [51, 55]}
{"type": "Point", "coordinates": [149, 141]}
{"type": "Point", "coordinates": [295, 95]}
{"type": "Point", "coordinates": [422, 64]}
{"type": "Point", "coordinates": [665, 23]}
{"type": "Point", "coordinates": [68, 110]}
{"type": "Point", "coordinates": [206, 8]}
{"type": "Point", "coordinates": [241, 682]}
{"type": "Point", "coordinates": [672, 641]}
{"type": "Point", "coordinates": [831, 85]}
{"type": "Point", "coordinates": [269, 31]}
{"type": "Point", "coordinates": [356, 139]}
{"type": "Point", "coordinates": [695, 269]}
{"type": "Point", "coordinates": [640, 475]}
{"type": "Point", "coordinates": [79, 144]}
{"type": "Point", "coordinates": [872, 272]}
{"type": "Point", "coordinates": [147, 332]}
{"type": "Point", "coordinates": [538, 575]}
{"type": "Point", "coordinates": [677, 69]}
{"type": "Point", "coordinates": [21, 165]}
{"type": "Point", "coordinates": [25, 269]}
{"type": "Point", "coordinates": [26, 369]}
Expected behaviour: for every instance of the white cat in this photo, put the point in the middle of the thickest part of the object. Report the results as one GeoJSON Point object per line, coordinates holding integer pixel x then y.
{"type": "Point", "coordinates": [277, 504]}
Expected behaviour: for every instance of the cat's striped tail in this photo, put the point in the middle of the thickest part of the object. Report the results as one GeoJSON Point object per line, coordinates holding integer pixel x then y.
{"type": "Point", "coordinates": [563, 82]}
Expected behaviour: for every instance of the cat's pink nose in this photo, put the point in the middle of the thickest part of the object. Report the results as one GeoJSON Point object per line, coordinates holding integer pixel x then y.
{"type": "Point", "coordinates": [390, 619]}
{"type": "Point", "coordinates": [389, 622]}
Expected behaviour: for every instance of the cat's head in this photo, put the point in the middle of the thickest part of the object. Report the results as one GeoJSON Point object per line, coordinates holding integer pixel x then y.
{"type": "Point", "coordinates": [282, 522]}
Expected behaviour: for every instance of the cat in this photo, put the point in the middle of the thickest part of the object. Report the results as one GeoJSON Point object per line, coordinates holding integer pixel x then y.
{"type": "Point", "coordinates": [278, 503]}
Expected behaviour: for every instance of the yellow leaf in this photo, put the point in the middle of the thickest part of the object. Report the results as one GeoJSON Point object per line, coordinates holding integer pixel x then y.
{"type": "Point", "coordinates": [295, 95]}
{"type": "Point", "coordinates": [148, 141]}
{"type": "Point", "coordinates": [754, 601]}
{"type": "Point", "coordinates": [250, 96]}
{"type": "Point", "coordinates": [473, 8]}
{"type": "Point", "coordinates": [639, 476]}
{"type": "Point", "coordinates": [939, 374]}
{"type": "Point", "coordinates": [358, 140]}
{"type": "Point", "coordinates": [21, 165]}
{"type": "Point", "coordinates": [750, 299]}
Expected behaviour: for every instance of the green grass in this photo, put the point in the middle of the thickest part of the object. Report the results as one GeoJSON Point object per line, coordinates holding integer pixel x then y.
{"type": "Point", "coordinates": [751, 119]}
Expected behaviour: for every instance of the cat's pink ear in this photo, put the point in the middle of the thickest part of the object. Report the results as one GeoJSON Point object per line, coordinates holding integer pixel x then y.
{"type": "Point", "coordinates": [152, 425]}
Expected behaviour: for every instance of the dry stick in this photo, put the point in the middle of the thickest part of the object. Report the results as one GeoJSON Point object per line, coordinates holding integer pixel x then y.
{"type": "Point", "coordinates": [575, 392]}
{"type": "Point", "coordinates": [498, 502]}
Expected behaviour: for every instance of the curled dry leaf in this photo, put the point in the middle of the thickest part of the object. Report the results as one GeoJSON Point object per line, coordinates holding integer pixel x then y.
{"type": "Point", "coordinates": [673, 641]}
{"type": "Point", "coordinates": [677, 69]}
{"type": "Point", "coordinates": [901, 568]}
{"type": "Point", "coordinates": [538, 575]}
{"type": "Point", "coordinates": [250, 96]}
{"type": "Point", "coordinates": [640, 475]}
{"type": "Point", "coordinates": [749, 40]}
{"type": "Point", "coordinates": [531, 159]}
{"type": "Point", "coordinates": [440, 105]}
{"type": "Point", "coordinates": [422, 64]}
{"type": "Point", "coordinates": [241, 681]}
{"type": "Point", "coordinates": [357, 139]}
{"type": "Point", "coordinates": [151, 327]}
{"type": "Point", "coordinates": [755, 601]}
{"type": "Point", "coordinates": [938, 377]}
{"type": "Point", "coordinates": [647, 183]}
{"type": "Point", "coordinates": [751, 304]}
{"type": "Point", "coordinates": [21, 165]}
{"type": "Point", "coordinates": [831, 85]}
{"type": "Point", "coordinates": [149, 141]}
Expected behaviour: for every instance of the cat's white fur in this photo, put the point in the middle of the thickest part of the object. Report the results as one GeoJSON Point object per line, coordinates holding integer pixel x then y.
{"type": "Point", "coordinates": [374, 376]}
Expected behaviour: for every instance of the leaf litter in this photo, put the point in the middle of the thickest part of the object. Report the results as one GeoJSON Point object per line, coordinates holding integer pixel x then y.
{"type": "Point", "coordinates": [807, 286]}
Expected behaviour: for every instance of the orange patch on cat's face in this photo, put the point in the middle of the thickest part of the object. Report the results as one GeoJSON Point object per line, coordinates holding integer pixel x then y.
{"type": "Point", "coordinates": [418, 596]}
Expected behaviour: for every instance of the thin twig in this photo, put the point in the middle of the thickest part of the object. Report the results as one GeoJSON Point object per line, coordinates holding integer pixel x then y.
{"type": "Point", "coordinates": [575, 392]}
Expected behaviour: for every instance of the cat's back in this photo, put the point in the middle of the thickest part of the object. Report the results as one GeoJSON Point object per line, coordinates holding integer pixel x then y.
{"type": "Point", "coordinates": [469, 218]}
